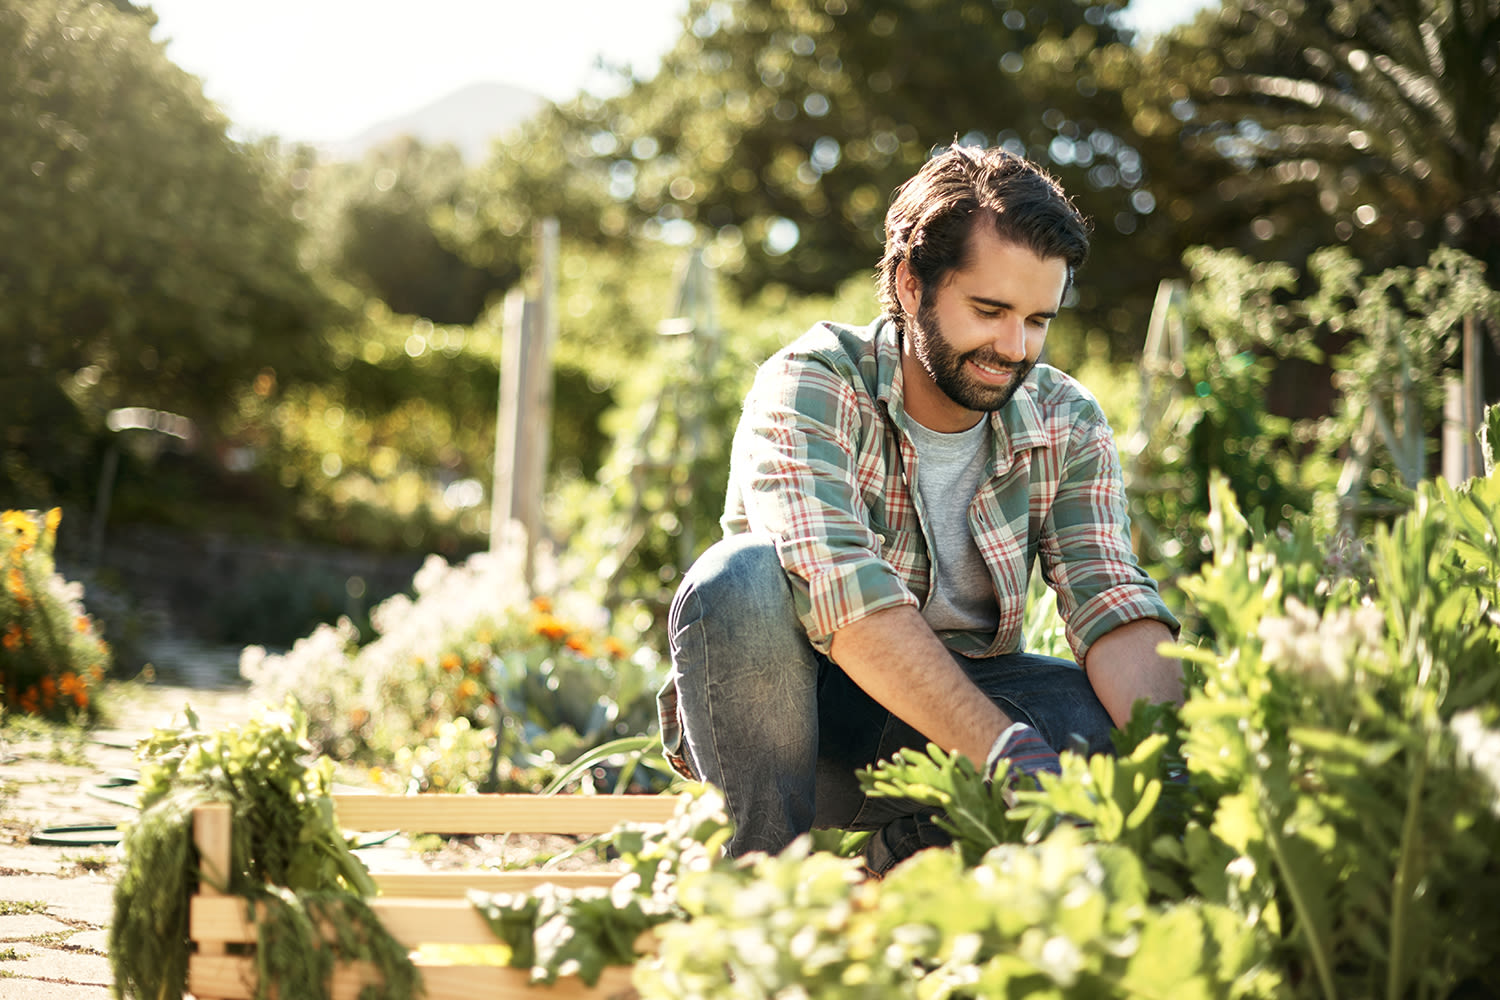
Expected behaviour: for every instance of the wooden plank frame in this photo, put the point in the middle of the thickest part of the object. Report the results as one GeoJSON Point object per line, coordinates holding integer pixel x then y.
{"type": "Point", "coordinates": [418, 909]}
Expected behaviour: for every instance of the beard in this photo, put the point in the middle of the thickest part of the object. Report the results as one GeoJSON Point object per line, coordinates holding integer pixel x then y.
{"type": "Point", "coordinates": [948, 368]}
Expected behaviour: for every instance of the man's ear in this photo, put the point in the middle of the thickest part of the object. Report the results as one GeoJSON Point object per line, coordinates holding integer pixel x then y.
{"type": "Point", "coordinates": [908, 289]}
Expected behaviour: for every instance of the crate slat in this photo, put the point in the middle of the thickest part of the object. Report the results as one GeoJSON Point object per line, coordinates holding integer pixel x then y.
{"type": "Point", "coordinates": [565, 814]}
{"type": "Point", "coordinates": [233, 978]}
{"type": "Point", "coordinates": [413, 922]}
{"type": "Point", "coordinates": [443, 885]}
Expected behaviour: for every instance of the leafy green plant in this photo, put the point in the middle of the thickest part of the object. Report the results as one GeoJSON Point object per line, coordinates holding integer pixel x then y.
{"type": "Point", "coordinates": [51, 655]}
{"type": "Point", "coordinates": [287, 854]}
{"type": "Point", "coordinates": [1323, 736]}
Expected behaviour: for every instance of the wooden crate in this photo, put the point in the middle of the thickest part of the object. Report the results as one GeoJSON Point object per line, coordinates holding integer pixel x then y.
{"type": "Point", "coordinates": [418, 909]}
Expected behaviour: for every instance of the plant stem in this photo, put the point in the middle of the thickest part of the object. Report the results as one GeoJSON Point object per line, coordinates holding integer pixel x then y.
{"type": "Point", "coordinates": [1401, 886]}
{"type": "Point", "coordinates": [1314, 944]}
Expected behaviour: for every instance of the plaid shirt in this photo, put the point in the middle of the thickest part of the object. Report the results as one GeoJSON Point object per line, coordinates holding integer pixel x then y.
{"type": "Point", "coordinates": [822, 463]}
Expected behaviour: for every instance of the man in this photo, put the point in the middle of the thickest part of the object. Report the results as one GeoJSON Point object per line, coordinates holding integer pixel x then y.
{"type": "Point", "coordinates": [890, 488]}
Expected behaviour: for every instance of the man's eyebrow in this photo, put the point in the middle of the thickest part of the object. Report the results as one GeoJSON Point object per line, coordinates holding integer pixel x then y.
{"type": "Point", "coordinates": [999, 304]}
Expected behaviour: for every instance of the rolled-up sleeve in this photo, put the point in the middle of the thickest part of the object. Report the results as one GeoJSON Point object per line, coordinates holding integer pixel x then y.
{"type": "Point", "coordinates": [1086, 549]}
{"type": "Point", "coordinates": [795, 477]}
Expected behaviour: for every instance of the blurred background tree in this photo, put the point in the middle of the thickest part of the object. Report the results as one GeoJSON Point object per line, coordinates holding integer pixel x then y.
{"type": "Point", "coordinates": [145, 259]}
{"type": "Point", "coordinates": [781, 128]}
{"type": "Point", "coordinates": [370, 225]}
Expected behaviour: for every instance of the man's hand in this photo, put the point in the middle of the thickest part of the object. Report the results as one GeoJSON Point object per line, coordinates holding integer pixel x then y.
{"type": "Point", "coordinates": [1026, 755]}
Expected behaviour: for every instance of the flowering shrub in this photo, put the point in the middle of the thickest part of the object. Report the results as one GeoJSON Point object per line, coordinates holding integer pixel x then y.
{"type": "Point", "coordinates": [51, 655]}
{"type": "Point", "coordinates": [470, 684]}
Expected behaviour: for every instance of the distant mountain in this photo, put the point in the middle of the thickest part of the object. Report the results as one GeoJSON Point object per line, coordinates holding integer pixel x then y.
{"type": "Point", "coordinates": [470, 118]}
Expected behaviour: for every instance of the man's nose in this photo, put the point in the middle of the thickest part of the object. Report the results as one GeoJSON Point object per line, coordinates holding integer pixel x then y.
{"type": "Point", "coordinates": [1010, 339]}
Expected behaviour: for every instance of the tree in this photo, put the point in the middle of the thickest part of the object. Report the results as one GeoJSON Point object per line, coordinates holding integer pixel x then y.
{"type": "Point", "coordinates": [372, 226]}
{"type": "Point", "coordinates": [1303, 123]}
{"type": "Point", "coordinates": [145, 258]}
{"type": "Point", "coordinates": [781, 127]}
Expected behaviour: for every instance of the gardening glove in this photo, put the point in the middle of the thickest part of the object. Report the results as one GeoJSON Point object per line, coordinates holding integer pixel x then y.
{"type": "Point", "coordinates": [1027, 756]}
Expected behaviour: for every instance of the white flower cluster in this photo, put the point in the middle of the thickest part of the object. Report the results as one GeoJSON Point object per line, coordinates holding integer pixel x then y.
{"type": "Point", "coordinates": [1480, 747]}
{"type": "Point", "coordinates": [1321, 646]}
{"type": "Point", "coordinates": [449, 600]}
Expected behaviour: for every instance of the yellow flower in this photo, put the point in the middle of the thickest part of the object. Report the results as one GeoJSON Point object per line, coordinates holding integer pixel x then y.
{"type": "Point", "coordinates": [54, 518]}
{"type": "Point", "coordinates": [24, 528]}
{"type": "Point", "coordinates": [450, 662]}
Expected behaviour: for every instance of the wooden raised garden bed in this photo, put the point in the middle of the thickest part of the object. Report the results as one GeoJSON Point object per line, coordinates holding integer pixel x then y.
{"type": "Point", "coordinates": [423, 909]}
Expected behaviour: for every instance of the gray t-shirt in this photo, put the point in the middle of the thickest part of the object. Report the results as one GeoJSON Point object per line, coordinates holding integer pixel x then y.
{"type": "Point", "coordinates": [950, 468]}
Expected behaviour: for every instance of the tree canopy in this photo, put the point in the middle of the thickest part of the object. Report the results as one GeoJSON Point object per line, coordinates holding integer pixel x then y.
{"type": "Point", "coordinates": [146, 259]}
{"type": "Point", "coordinates": [781, 128]}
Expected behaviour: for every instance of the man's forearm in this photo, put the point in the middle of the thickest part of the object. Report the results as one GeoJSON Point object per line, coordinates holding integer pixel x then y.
{"type": "Point", "coordinates": [1123, 666]}
{"type": "Point", "coordinates": [896, 659]}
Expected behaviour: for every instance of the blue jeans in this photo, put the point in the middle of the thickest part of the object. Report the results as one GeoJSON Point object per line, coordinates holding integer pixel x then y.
{"type": "Point", "coordinates": [781, 730]}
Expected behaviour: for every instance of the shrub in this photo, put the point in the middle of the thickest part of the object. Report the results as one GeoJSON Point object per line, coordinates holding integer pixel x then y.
{"type": "Point", "coordinates": [470, 684]}
{"type": "Point", "coordinates": [51, 655]}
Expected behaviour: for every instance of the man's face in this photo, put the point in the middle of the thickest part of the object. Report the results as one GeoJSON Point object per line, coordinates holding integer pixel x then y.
{"type": "Point", "coordinates": [970, 342]}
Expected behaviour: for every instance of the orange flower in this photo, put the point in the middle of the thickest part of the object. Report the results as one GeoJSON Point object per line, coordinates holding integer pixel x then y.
{"type": "Point", "coordinates": [358, 717]}
{"type": "Point", "coordinates": [475, 667]}
{"type": "Point", "coordinates": [541, 605]}
{"type": "Point", "coordinates": [468, 689]}
{"type": "Point", "coordinates": [49, 692]}
{"type": "Point", "coordinates": [615, 648]}
{"type": "Point", "coordinates": [81, 623]}
{"type": "Point", "coordinates": [28, 700]}
{"type": "Point", "coordinates": [70, 684]}
{"type": "Point", "coordinates": [550, 628]}
{"type": "Point", "coordinates": [14, 637]}
{"type": "Point", "coordinates": [16, 584]}
{"type": "Point", "coordinates": [450, 662]}
{"type": "Point", "coordinates": [81, 698]}
{"type": "Point", "coordinates": [579, 645]}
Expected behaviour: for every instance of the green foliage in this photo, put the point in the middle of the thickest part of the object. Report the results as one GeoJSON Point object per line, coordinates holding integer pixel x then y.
{"type": "Point", "coordinates": [559, 932]}
{"type": "Point", "coordinates": [51, 654]}
{"type": "Point", "coordinates": [779, 129]}
{"type": "Point", "coordinates": [1404, 327]}
{"type": "Point", "coordinates": [1323, 734]}
{"type": "Point", "coordinates": [285, 841]}
{"type": "Point", "coordinates": [1340, 742]}
{"type": "Point", "coordinates": [370, 224]}
{"type": "Point", "coordinates": [1237, 331]}
{"type": "Point", "coordinates": [145, 258]}
{"type": "Point", "coordinates": [469, 684]}
{"type": "Point", "coordinates": [657, 499]}
{"type": "Point", "coordinates": [1246, 328]}
{"type": "Point", "coordinates": [1285, 125]}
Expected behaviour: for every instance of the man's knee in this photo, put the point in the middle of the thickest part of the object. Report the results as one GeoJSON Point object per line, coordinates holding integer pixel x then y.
{"type": "Point", "coordinates": [738, 584]}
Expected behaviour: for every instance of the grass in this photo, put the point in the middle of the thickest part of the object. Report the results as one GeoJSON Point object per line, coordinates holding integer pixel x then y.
{"type": "Point", "coordinates": [89, 862]}
{"type": "Point", "coordinates": [16, 907]}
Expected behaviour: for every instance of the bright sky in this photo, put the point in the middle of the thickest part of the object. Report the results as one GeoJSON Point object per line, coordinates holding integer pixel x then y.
{"type": "Point", "coordinates": [324, 70]}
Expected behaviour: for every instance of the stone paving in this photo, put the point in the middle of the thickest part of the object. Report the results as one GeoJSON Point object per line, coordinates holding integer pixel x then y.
{"type": "Point", "coordinates": [56, 899]}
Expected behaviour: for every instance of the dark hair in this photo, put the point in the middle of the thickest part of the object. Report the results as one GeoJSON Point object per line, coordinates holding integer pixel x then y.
{"type": "Point", "coordinates": [930, 219]}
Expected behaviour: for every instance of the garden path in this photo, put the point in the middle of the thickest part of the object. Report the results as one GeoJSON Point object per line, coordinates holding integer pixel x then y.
{"type": "Point", "coordinates": [56, 897]}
